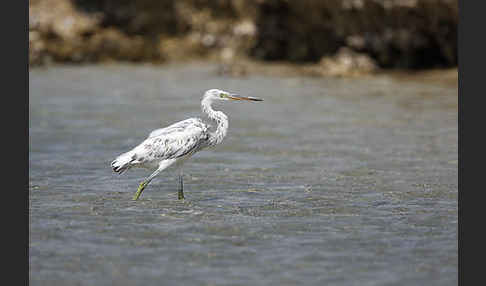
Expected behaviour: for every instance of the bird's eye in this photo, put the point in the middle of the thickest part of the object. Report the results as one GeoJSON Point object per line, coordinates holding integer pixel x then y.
{"type": "Point", "coordinates": [222, 95]}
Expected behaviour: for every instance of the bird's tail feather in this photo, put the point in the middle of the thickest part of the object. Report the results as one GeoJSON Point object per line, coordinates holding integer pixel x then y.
{"type": "Point", "coordinates": [122, 162]}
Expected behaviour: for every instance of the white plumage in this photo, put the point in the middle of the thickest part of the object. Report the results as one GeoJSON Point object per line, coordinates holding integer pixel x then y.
{"type": "Point", "coordinates": [172, 142]}
{"type": "Point", "coordinates": [177, 142]}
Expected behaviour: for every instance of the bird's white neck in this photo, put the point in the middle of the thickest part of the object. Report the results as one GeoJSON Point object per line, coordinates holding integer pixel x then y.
{"type": "Point", "coordinates": [221, 119]}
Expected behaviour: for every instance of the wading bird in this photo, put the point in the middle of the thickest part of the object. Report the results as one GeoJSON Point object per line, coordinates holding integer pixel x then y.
{"type": "Point", "coordinates": [176, 143]}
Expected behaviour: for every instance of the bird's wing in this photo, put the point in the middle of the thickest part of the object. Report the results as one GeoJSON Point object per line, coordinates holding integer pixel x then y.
{"type": "Point", "coordinates": [174, 141]}
{"type": "Point", "coordinates": [178, 126]}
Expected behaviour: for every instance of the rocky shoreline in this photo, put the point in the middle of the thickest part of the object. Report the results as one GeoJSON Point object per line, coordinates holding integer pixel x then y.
{"type": "Point", "coordinates": [348, 37]}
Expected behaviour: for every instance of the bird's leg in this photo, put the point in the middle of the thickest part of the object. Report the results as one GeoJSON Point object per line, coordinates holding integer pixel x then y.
{"type": "Point", "coordinates": [180, 193]}
{"type": "Point", "coordinates": [140, 190]}
{"type": "Point", "coordinates": [145, 183]}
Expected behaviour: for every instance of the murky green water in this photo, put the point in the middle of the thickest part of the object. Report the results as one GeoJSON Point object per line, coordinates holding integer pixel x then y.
{"type": "Point", "coordinates": [326, 182]}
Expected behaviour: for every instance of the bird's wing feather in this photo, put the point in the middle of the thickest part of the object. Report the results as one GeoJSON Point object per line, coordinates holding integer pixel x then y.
{"type": "Point", "coordinates": [178, 126]}
{"type": "Point", "coordinates": [174, 141]}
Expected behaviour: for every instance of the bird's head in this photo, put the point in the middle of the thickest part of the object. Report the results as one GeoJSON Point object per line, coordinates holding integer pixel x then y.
{"type": "Point", "coordinates": [217, 94]}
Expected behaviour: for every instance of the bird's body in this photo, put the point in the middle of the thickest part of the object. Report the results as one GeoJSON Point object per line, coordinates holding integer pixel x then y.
{"type": "Point", "coordinates": [176, 143]}
{"type": "Point", "coordinates": [172, 143]}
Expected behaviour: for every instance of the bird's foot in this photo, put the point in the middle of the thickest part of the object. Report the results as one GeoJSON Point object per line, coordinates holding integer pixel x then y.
{"type": "Point", "coordinates": [139, 191]}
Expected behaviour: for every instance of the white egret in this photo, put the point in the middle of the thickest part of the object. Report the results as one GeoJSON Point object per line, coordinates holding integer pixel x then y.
{"type": "Point", "coordinates": [176, 143]}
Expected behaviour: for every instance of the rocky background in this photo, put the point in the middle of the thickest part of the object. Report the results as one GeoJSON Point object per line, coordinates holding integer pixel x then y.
{"type": "Point", "coordinates": [335, 36]}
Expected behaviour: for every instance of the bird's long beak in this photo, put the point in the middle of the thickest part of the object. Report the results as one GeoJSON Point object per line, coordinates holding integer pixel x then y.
{"type": "Point", "coordinates": [237, 97]}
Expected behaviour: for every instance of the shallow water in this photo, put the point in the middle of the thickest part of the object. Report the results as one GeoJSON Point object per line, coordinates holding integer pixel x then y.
{"type": "Point", "coordinates": [326, 182]}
